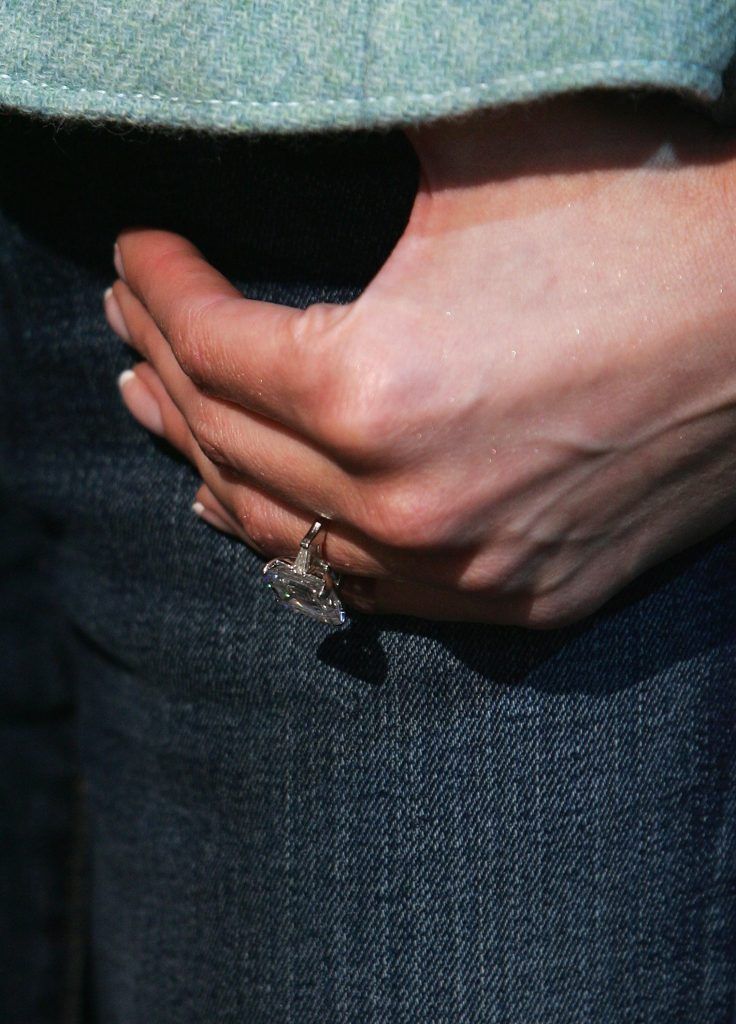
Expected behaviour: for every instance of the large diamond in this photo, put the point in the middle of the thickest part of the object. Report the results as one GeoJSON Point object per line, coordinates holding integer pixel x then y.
{"type": "Point", "coordinates": [307, 593]}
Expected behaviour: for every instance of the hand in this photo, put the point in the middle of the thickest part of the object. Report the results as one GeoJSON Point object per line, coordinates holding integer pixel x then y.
{"type": "Point", "coordinates": [533, 400]}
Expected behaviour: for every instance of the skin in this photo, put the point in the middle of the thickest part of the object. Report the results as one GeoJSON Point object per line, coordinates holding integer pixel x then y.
{"type": "Point", "coordinates": [533, 401]}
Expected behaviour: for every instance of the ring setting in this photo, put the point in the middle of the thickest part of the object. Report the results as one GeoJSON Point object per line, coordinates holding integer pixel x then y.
{"type": "Point", "coordinates": [307, 584]}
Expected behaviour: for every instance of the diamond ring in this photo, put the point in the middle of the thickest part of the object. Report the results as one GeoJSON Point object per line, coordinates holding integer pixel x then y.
{"type": "Point", "coordinates": [307, 584]}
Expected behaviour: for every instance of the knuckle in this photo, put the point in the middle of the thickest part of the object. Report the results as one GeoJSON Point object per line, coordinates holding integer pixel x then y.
{"type": "Point", "coordinates": [308, 342]}
{"type": "Point", "coordinates": [261, 523]}
{"type": "Point", "coordinates": [212, 436]}
{"type": "Point", "coordinates": [194, 344]}
{"type": "Point", "coordinates": [359, 423]}
{"type": "Point", "coordinates": [493, 574]}
{"type": "Point", "coordinates": [575, 596]}
{"type": "Point", "coordinates": [554, 612]}
{"type": "Point", "coordinates": [313, 322]}
{"type": "Point", "coordinates": [349, 392]}
{"type": "Point", "coordinates": [406, 515]}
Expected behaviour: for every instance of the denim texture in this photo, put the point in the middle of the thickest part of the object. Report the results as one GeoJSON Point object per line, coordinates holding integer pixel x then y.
{"type": "Point", "coordinates": [40, 825]}
{"type": "Point", "coordinates": [297, 65]}
{"type": "Point", "coordinates": [398, 822]}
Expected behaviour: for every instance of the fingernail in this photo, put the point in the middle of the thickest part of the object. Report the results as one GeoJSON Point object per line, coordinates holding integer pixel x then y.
{"type": "Point", "coordinates": [118, 261]}
{"type": "Point", "coordinates": [140, 402]}
{"type": "Point", "coordinates": [115, 316]}
{"type": "Point", "coordinates": [212, 518]}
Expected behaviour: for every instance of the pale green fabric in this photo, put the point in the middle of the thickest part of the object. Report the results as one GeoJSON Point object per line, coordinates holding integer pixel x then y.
{"type": "Point", "coordinates": [288, 65]}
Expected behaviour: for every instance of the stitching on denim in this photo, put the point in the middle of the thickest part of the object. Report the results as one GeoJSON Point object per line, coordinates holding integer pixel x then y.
{"type": "Point", "coordinates": [521, 77]}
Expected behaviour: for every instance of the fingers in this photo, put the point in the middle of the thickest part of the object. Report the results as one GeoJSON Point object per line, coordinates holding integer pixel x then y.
{"type": "Point", "coordinates": [231, 436]}
{"type": "Point", "coordinates": [212, 511]}
{"type": "Point", "coordinates": [375, 580]}
{"type": "Point", "coordinates": [147, 400]}
{"type": "Point", "coordinates": [261, 355]}
{"type": "Point", "coordinates": [271, 525]}
{"type": "Point", "coordinates": [377, 596]}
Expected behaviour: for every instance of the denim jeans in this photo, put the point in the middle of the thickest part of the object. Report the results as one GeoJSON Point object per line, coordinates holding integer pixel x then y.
{"type": "Point", "coordinates": [217, 810]}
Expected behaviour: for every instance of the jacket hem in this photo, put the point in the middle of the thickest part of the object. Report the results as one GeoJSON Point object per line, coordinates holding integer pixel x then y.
{"type": "Point", "coordinates": [243, 114]}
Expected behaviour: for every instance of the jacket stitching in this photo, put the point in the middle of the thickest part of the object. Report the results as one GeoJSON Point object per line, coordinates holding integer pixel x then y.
{"type": "Point", "coordinates": [539, 74]}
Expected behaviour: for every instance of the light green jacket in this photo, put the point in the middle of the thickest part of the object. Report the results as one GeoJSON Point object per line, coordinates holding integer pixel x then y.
{"type": "Point", "coordinates": [289, 65]}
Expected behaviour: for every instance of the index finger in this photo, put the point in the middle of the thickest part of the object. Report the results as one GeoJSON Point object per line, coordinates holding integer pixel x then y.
{"type": "Point", "coordinates": [262, 355]}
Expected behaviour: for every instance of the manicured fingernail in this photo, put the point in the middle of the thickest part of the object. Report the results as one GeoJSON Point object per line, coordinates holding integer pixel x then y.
{"type": "Point", "coordinates": [115, 316]}
{"type": "Point", "coordinates": [212, 518]}
{"type": "Point", "coordinates": [118, 261]}
{"type": "Point", "coordinates": [140, 402]}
